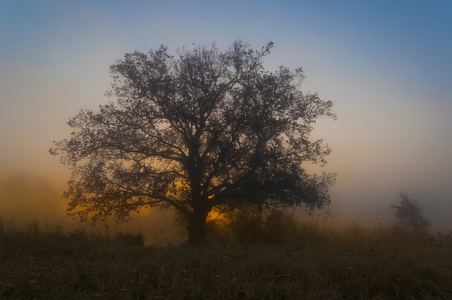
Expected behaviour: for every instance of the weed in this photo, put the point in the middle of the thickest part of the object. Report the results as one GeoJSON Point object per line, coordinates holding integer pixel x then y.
{"type": "Point", "coordinates": [313, 263]}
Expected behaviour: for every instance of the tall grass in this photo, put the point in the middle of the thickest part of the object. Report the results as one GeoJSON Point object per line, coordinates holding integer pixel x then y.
{"type": "Point", "coordinates": [273, 227]}
{"type": "Point", "coordinates": [306, 262]}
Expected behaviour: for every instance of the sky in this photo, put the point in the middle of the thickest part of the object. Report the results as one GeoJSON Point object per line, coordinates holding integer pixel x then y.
{"type": "Point", "coordinates": [387, 66]}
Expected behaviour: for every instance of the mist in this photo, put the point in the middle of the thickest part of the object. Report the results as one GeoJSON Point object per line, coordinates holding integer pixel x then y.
{"type": "Point", "coordinates": [25, 198]}
{"type": "Point", "coordinates": [386, 67]}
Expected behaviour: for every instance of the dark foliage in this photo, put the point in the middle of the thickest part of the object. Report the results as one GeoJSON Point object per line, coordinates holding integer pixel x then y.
{"type": "Point", "coordinates": [409, 213]}
{"type": "Point", "coordinates": [204, 129]}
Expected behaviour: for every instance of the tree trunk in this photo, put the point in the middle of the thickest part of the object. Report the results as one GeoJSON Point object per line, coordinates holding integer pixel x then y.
{"type": "Point", "coordinates": [197, 226]}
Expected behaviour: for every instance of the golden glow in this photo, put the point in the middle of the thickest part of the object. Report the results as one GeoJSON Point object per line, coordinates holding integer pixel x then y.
{"type": "Point", "coordinates": [215, 214]}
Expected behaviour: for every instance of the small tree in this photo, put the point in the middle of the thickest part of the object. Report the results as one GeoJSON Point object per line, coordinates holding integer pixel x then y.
{"type": "Point", "coordinates": [200, 130]}
{"type": "Point", "coordinates": [409, 213]}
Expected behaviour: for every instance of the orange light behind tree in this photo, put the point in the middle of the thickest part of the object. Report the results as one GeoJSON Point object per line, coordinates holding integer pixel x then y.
{"type": "Point", "coordinates": [204, 129]}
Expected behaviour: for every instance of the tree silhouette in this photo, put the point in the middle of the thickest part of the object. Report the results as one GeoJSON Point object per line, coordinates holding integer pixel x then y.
{"type": "Point", "coordinates": [409, 213]}
{"type": "Point", "coordinates": [202, 129]}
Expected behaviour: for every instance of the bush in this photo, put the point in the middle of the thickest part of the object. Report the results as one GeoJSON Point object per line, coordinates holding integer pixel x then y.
{"type": "Point", "coordinates": [253, 225]}
{"type": "Point", "coordinates": [129, 239]}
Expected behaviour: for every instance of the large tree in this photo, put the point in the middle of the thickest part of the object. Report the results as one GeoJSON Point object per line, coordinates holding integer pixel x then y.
{"type": "Point", "coordinates": [199, 130]}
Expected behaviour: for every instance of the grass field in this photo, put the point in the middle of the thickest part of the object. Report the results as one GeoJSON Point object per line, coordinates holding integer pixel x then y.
{"type": "Point", "coordinates": [43, 262]}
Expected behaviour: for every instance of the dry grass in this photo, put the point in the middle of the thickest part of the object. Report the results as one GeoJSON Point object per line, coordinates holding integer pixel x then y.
{"type": "Point", "coordinates": [45, 263]}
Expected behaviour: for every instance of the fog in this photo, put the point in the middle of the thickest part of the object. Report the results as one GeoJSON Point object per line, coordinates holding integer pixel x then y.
{"type": "Point", "coordinates": [387, 67]}
{"type": "Point", "coordinates": [25, 198]}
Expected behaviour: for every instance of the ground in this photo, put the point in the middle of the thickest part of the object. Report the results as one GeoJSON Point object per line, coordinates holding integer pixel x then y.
{"type": "Point", "coordinates": [351, 264]}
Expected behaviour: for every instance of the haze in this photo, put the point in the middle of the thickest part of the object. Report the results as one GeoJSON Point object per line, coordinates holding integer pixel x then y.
{"type": "Point", "coordinates": [387, 66]}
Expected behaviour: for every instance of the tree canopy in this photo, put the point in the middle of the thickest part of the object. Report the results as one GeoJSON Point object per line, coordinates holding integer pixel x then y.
{"type": "Point", "coordinates": [201, 129]}
{"type": "Point", "coordinates": [409, 213]}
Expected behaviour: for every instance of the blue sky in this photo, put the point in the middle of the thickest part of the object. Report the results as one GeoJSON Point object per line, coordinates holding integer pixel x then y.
{"type": "Point", "coordinates": [387, 65]}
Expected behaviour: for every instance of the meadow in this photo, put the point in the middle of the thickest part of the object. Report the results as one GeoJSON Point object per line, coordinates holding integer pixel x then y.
{"type": "Point", "coordinates": [251, 258]}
